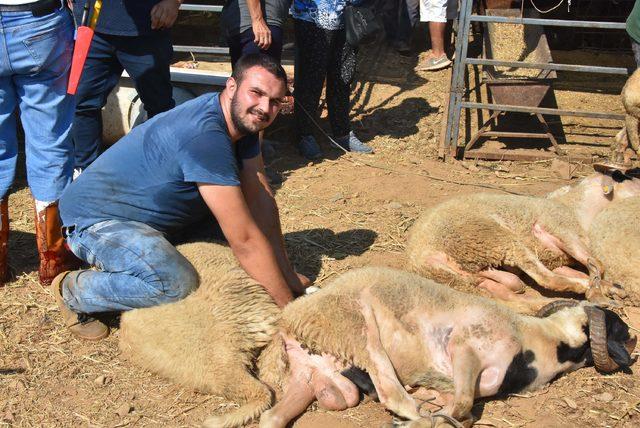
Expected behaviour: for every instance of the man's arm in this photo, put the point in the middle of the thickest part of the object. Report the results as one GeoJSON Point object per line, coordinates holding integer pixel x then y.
{"type": "Point", "coordinates": [261, 32]}
{"type": "Point", "coordinates": [250, 246]}
{"type": "Point", "coordinates": [264, 210]}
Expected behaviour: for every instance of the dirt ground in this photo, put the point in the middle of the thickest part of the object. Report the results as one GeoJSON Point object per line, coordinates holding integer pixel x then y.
{"type": "Point", "coordinates": [338, 213]}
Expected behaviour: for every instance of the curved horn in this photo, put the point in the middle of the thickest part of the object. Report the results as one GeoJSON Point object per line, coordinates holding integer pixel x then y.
{"type": "Point", "coordinates": [598, 339]}
{"type": "Point", "coordinates": [554, 307]}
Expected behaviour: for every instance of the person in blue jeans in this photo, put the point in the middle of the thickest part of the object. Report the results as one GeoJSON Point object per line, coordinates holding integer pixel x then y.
{"type": "Point", "coordinates": [131, 35]}
{"type": "Point", "coordinates": [36, 47]}
{"type": "Point", "coordinates": [198, 159]}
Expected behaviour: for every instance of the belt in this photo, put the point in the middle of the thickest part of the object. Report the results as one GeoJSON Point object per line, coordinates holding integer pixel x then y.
{"type": "Point", "coordinates": [38, 8]}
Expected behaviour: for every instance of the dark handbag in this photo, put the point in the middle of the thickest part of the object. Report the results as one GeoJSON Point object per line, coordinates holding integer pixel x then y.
{"type": "Point", "coordinates": [361, 22]}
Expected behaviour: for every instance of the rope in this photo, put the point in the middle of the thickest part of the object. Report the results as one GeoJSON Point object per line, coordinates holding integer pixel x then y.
{"type": "Point", "coordinates": [548, 10]}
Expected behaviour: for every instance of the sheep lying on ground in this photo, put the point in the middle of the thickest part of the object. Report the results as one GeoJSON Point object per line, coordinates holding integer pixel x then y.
{"type": "Point", "coordinates": [615, 240]}
{"type": "Point", "coordinates": [210, 340]}
{"type": "Point", "coordinates": [405, 330]}
{"type": "Point", "coordinates": [489, 239]}
{"type": "Point", "coordinates": [629, 134]}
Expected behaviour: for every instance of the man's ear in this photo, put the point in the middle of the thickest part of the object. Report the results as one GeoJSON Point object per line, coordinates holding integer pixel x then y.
{"type": "Point", "coordinates": [231, 86]}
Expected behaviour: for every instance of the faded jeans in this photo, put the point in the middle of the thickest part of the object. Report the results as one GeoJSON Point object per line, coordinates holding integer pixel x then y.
{"type": "Point", "coordinates": [136, 267]}
{"type": "Point", "coordinates": [35, 57]}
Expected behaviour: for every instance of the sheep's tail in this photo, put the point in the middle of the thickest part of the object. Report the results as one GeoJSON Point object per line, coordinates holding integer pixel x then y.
{"type": "Point", "coordinates": [259, 400]}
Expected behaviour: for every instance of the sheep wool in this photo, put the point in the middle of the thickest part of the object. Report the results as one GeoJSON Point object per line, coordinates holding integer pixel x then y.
{"type": "Point", "coordinates": [223, 324]}
{"type": "Point", "coordinates": [615, 240]}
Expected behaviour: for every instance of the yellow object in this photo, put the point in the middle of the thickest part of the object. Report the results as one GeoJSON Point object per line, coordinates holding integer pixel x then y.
{"type": "Point", "coordinates": [94, 15]}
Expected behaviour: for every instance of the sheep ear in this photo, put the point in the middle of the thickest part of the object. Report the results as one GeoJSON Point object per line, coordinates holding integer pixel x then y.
{"type": "Point", "coordinates": [619, 354]}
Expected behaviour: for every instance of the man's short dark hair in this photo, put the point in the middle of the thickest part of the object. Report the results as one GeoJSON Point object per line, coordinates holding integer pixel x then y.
{"type": "Point", "coordinates": [258, 60]}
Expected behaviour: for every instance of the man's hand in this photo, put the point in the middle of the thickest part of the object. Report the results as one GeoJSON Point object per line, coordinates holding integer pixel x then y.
{"type": "Point", "coordinates": [262, 33]}
{"type": "Point", "coordinates": [164, 14]}
{"type": "Point", "coordinates": [300, 285]}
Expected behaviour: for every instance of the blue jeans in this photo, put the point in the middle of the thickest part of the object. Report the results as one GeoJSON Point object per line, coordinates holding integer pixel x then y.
{"type": "Point", "coordinates": [35, 57]}
{"type": "Point", "coordinates": [137, 268]}
{"type": "Point", "coordinates": [146, 59]}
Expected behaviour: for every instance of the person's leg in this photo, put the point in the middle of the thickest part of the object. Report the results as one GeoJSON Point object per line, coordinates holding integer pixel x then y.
{"type": "Point", "coordinates": [341, 70]}
{"type": "Point", "coordinates": [100, 75]}
{"type": "Point", "coordinates": [436, 33]}
{"type": "Point", "coordinates": [41, 75]}
{"type": "Point", "coordinates": [434, 12]}
{"type": "Point", "coordinates": [147, 60]}
{"type": "Point", "coordinates": [8, 137]}
{"type": "Point", "coordinates": [312, 48]}
{"type": "Point", "coordinates": [137, 267]}
{"type": "Point", "coordinates": [408, 16]}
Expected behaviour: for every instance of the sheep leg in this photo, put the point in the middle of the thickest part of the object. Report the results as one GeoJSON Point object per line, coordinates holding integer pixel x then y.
{"type": "Point", "coordinates": [631, 124]}
{"type": "Point", "coordinates": [596, 288]}
{"type": "Point", "coordinates": [297, 397]}
{"type": "Point", "coordinates": [507, 279]}
{"type": "Point", "coordinates": [390, 392]}
{"type": "Point", "coordinates": [521, 303]}
{"type": "Point", "coordinates": [466, 371]}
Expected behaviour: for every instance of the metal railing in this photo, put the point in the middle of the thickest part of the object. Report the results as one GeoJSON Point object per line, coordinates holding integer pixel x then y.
{"type": "Point", "coordinates": [458, 91]}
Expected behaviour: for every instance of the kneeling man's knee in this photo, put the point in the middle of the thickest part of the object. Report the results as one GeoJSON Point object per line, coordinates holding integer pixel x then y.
{"type": "Point", "coordinates": [184, 279]}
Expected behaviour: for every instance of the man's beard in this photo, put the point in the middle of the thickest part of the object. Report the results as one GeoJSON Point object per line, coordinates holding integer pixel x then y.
{"type": "Point", "coordinates": [245, 127]}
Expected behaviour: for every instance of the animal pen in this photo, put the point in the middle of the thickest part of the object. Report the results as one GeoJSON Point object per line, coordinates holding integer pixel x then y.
{"type": "Point", "coordinates": [520, 94]}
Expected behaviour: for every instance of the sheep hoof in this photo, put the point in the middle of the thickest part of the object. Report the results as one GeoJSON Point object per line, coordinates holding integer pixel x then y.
{"type": "Point", "coordinates": [311, 289]}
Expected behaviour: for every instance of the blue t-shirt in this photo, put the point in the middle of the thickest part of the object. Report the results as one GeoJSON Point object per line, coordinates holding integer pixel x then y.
{"type": "Point", "coordinates": [121, 17]}
{"type": "Point", "coordinates": [326, 14]}
{"type": "Point", "coordinates": [151, 174]}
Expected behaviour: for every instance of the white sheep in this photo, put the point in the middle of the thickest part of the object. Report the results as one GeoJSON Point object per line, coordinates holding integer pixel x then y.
{"type": "Point", "coordinates": [210, 340]}
{"type": "Point", "coordinates": [489, 239]}
{"type": "Point", "coordinates": [615, 240]}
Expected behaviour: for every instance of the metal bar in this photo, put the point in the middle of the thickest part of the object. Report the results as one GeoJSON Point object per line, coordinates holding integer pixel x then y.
{"type": "Point", "coordinates": [543, 110]}
{"type": "Point", "coordinates": [552, 66]}
{"type": "Point", "coordinates": [512, 134]}
{"type": "Point", "coordinates": [456, 88]}
{"type": "Point", "coordinates": [200, 8]}
{"type": "Point", "coordinates": [201, 49]}
{"type": "Point", "coordinates": [549, 22]}
{"type": "Point", "coordinates": [521, 156]}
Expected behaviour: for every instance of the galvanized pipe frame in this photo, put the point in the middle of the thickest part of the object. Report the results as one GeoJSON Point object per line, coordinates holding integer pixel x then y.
{"type": "Point", "coordinates": [457, 88]}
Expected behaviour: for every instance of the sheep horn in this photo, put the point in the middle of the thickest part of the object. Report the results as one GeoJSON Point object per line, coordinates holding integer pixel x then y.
{"type": "Point", "coordinates": [598, 339]}
{"type": "Point", "coordinates": [555, 306]}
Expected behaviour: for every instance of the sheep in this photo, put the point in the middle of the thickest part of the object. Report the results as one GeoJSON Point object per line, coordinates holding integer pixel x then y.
{"type": "Point", "coordinates": [408, 331]}
{"type": "Point", "coordinates": [615, 240]}
{"type": "Point", "coordinates": [629, 133]}
{"type": "Point", "coordinates": [210, 340]}
{"type": "Point", "coordinates": [488, 239]}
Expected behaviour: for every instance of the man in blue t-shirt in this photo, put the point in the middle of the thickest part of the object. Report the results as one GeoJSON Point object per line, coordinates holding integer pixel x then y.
{"type": "Point", "coordinates": [200, 158]}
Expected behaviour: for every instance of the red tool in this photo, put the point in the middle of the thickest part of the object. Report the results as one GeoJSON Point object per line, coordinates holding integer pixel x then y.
{"type": "Point", "coordinates": [84, 35]}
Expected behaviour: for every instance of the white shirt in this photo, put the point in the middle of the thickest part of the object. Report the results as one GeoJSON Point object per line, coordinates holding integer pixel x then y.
{"type": "Point", "coordinates": [16, 2]}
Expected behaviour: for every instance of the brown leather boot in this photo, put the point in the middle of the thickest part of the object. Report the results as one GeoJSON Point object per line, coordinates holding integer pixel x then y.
{"type": "Point", "coordinates": [4, 239]}
{"type": "Point", "coordinates": [55, 256]}
{"type": "Point", "coordinates": [82, 326]}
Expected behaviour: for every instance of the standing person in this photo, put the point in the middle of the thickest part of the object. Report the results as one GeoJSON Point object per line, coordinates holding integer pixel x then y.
{"type": "Point", "coordinates": [400, 22]}
{"type": "Point", "coordinates": [322, 52]}
{"type": "Point", "coordinates": [633, 30]}
{"type": "Point", "coordinates": [254, 26]}
{"type": "Point", "coordinates": [37, 45]}
{"type": "Point", "coordinates": [198, 159]}
{"type": "Point", "coordinates": [436, 13]}
{"type": "Point", "coordinates": [132, 35]}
